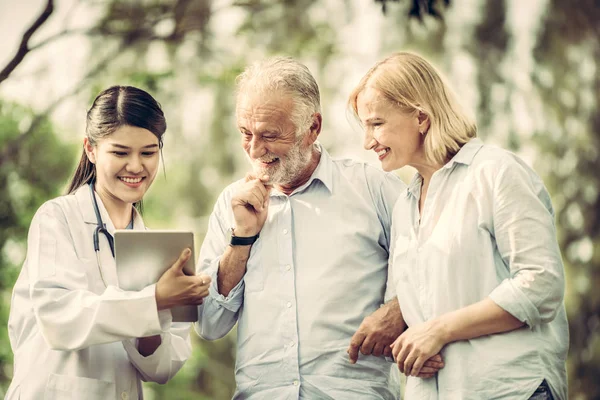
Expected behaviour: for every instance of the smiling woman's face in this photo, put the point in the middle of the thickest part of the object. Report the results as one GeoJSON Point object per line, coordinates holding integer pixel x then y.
{"type": "Point", "coordinates": [391, 133]}
{"type": "Point", "coordinates": [126, 164]}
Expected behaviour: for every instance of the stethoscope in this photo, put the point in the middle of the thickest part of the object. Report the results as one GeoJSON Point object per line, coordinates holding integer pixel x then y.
{"type": "Point", "coordinates": [100, 229]}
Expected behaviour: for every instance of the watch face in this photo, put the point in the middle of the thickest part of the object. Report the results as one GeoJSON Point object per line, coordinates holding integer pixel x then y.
{"type": "Point", "coordinates": [228, 236]}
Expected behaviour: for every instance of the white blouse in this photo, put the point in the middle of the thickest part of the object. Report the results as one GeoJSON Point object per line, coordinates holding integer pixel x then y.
{"type": "Point", "coordinates": [487, 230]}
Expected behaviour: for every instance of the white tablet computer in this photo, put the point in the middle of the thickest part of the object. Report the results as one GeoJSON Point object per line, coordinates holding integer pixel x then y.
{"type": "Point", "coordinates": [143, 256]}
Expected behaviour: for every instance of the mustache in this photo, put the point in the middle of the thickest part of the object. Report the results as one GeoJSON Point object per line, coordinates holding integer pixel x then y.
{"type": "Point", "coordinates": [267, 158]}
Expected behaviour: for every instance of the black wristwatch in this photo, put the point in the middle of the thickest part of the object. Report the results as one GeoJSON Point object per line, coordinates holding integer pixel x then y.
{"type": "Point", "coordinates": [240, 240]}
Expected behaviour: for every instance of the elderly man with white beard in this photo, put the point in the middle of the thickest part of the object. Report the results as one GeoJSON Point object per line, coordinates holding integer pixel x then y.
{"type": "Point", "coordinates": [298, 253]}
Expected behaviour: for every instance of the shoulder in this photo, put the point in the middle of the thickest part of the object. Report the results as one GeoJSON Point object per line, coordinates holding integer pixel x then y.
{"type": "Point", "coordinates": [223, 202]}
{"type": "Point", "coordinates": [54, 212]}
{"type": "Point", "coordinates": [491, 157]}
{"type": "Point", "coordinates": [500, 169]}
{"type": "Point", "coordinates": [230, 189]}
{"type": "Point", "coordinates": [495, 162]}
{"type": "Point", "coordinates": [58, 207]}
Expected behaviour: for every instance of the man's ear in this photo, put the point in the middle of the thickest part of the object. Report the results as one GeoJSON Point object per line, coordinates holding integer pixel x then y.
{"type": "Point", "coordinates": [90, 150]}
{"type": "Point", "coordinates": [424, 122]}
{"type": "Point", "coordinates": [315, 128]}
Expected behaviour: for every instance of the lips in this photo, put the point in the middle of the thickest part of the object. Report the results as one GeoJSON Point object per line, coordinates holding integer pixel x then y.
{"type": "Point", "coordinates": [131, 180]}
{"type": "Point", "coordinates": [268, 162]}
{"type": "Point", "coordinates": [382, 152]}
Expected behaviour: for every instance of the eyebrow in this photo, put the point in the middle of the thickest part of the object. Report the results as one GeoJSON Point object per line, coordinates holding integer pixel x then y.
{"type": "Point", "coordinates": [269, 132]}
{"type": "Point", "coordinates": [373, 119]}
{"type": "Point", "coordinates": [120, 146]}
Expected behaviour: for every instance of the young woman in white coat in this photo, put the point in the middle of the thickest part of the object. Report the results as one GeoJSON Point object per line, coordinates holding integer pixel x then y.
{"type": "Point", "coordinates": [74, 333]}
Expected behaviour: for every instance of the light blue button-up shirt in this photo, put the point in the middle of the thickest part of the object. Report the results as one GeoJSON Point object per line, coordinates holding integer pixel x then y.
{"type": "Point", "coordinates": [318, 268]}
{"type": "Point", "coordinates": [487, 230]}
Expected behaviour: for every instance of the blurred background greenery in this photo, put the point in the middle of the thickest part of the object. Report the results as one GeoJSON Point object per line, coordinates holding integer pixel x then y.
{"type": "Point", "coordinates": [529, 69]}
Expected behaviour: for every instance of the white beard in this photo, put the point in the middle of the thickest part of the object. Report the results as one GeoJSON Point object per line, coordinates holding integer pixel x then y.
{"type": "Point", "coordinates": [288, 168]}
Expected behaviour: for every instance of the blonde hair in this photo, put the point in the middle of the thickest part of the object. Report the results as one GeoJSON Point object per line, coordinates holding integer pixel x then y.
{"type": "Point", "coordinates": [414, 85]}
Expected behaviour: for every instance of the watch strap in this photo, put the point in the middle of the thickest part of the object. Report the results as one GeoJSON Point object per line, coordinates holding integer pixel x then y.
{"type": "Point", "coordinates": [243, 241]}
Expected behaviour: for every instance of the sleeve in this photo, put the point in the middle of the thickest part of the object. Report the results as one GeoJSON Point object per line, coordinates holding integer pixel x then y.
{"type": "Point", "coordinates": [69, 315]}
{"type": "Point", "coordinates": [387, 196]}
{"type": "Point", "coordinates": [523, 227]}
{"type": "Point", "coordinates": [175, 348]}
{"type": "Point", "coordinates": [390, 286]}
{"type": "Point", "coordinates": [389, 190]}
{"type": "Point", "coordinates": [218, 314]}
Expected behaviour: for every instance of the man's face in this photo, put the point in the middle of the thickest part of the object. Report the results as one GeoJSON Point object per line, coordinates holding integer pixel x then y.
{"type": "Point", "coordinates": [269, 137]}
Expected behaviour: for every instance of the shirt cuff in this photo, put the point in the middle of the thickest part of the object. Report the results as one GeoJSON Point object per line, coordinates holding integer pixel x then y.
{"type": "Point", "coordinates": [165, 319]}
{"type": "Point", "coordinates": [140, 360]}
{"type": "Point", "coordinates": [231, 302]}
{"type": "Point", "coordinates": [512, 299]}
{"type": "Point", "coordinates": [155, 324]}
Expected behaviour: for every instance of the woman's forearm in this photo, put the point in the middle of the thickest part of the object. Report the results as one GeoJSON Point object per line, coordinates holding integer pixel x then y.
{"type": "Point", "coordinates": [482, 318]}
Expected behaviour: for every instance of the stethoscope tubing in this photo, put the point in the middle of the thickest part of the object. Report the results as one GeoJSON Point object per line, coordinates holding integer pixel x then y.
{"type": "Point", "coordinates": [100, 229]}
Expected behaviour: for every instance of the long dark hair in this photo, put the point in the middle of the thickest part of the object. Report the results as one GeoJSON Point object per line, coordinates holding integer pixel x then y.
{"type": "Point", "coordinates": [115, 107]}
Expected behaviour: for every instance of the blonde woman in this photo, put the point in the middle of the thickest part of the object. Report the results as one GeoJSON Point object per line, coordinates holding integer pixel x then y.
{"type": "Point", "coordinates": [474, 258]}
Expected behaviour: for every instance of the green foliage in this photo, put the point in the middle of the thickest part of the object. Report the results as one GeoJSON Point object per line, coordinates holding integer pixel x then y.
{"type": "Point", "coordinates": [569, 50]}
{"type": "Point", "coordinates": [35, 174]}
{"type": "Point", "coordinates": [200, 165]}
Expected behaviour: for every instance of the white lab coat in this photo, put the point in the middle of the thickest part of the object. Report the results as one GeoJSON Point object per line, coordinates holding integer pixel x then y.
{"type": "Point", "coordinates": [72, 337]}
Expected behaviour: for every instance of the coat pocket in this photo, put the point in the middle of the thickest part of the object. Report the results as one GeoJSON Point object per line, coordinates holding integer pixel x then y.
{"type": "Point", "coordinates": [14, 393]}
{"type": "Point", "coordinates": [65, 387]}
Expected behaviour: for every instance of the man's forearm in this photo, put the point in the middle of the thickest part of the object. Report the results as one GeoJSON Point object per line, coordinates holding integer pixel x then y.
{"type": "Point", "coordinates": [232, 268]}
{"type": "Point", "coordinates": [394, 313]}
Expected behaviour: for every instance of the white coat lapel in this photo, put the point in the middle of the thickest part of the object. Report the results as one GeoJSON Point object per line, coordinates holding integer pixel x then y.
{"type": "Point", "coordinates": [107, 262]}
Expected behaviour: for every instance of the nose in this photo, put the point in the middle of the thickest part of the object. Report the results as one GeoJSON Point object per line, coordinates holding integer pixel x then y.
{"type": "Point", "coordinates": [370, 141]}
{"type": "Point", "coordinates": [135, 164]}
{"type": "Point", "coordinates": [257, 148]}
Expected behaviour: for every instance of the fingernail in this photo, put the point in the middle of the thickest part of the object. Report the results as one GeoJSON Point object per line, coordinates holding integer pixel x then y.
{"type": "Point", "coordinates": [187, 252]}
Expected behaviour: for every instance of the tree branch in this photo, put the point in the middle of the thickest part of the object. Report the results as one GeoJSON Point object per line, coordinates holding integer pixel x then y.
{"type": "Point", "coordinates": [10, 149]}
{"type": "Point", "coordinates": [24, 46]}
{"type": "Point", "coordinates": [59, 35]}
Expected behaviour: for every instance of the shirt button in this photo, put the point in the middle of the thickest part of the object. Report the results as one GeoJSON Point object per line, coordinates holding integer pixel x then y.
{"type": "Point", "coordinates": [296, 383]}
{"type": "Point", "coordinates": [285, 231]}
{"type": "Point", "coordinates": [288, 267]}
{"type": "Point", "coordinates": [292, 344]}
{"type": "Point", "coordinates": [125, 395]}
{"type": "Point", "coordinates": [289, 304]}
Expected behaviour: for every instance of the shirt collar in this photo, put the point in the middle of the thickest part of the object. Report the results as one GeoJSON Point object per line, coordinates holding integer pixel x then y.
{"type": "Point", "coordinates": [466, 153]}
{"type": "Point", "coordinates": [464, 156]}
{"type": "Point", "coordinates": [84, 199]}
{"type": "Point", "coordinates": [323, 172]}
{"type": "Point", "coordinates": [414, 187]}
